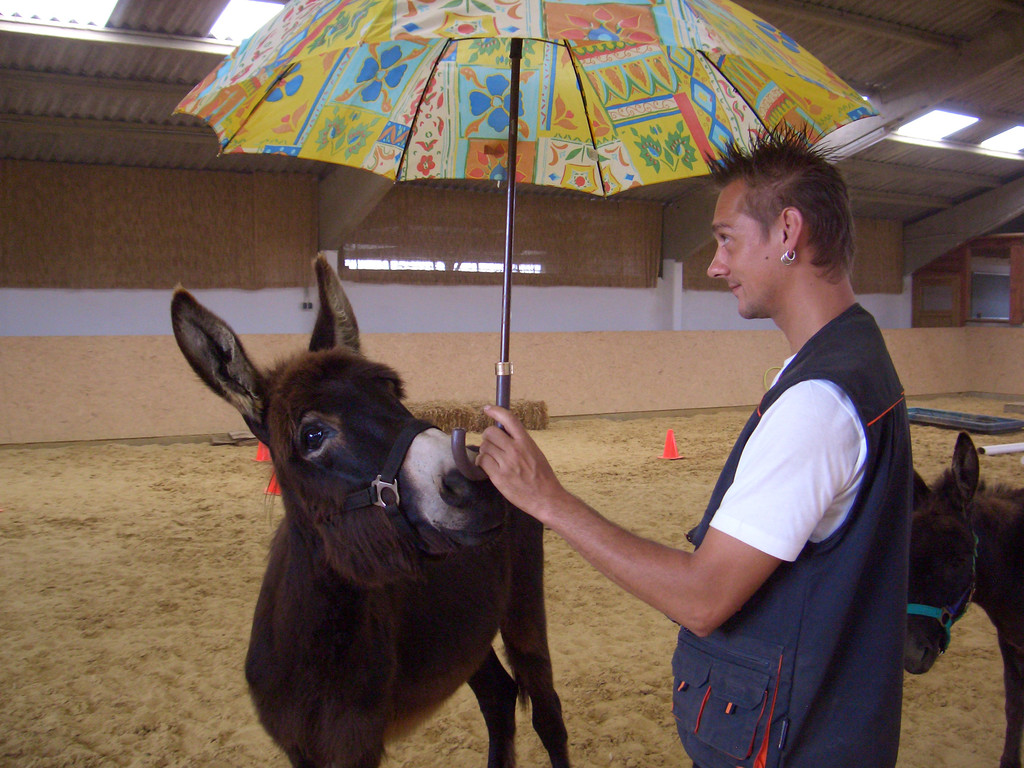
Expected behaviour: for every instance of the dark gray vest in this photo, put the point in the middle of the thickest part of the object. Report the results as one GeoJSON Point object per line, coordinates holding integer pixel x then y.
{"type": "Point", "coordinates": [809, 673]}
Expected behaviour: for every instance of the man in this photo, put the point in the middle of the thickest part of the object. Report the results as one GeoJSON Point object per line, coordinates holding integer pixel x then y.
{"type": "Point", "coordinates": [792, 605]}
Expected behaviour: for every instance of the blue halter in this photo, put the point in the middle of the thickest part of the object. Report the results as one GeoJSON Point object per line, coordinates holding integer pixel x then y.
{"type": "Point", "coordinates": [948, 615]}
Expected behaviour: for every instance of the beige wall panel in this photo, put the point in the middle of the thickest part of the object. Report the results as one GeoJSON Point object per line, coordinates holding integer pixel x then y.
{"type": "Point", "coordinates": [995, 359]}
{"type": "Point", "coordinates": [91, 388]}
{"type": "Point", "coordinates": [619, 372]}
{"type": "Point", "coordinates": [593, 372]}
{"type": "Point", "coordinates": [75, 388]}
{"type": "Point", "coordinates": [935, 360]}
{"type": "Point", "coordinates": [83, 387]}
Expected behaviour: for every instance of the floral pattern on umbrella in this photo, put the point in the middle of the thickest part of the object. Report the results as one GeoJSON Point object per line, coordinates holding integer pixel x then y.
{"type": "Point", "coordinates": [612, 95]}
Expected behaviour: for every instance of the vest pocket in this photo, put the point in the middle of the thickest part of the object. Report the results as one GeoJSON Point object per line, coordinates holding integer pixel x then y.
{"type": "Point", "coordinates": [722, 701]}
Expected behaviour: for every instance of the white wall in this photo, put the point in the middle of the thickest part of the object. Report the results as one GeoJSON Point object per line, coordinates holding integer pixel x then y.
{"type": "Point", "coordinates": [46, 312]}
{"type": "Point", "coordinates": [407, 309]}
{"type": "Point", "coordinates": [892, 311]}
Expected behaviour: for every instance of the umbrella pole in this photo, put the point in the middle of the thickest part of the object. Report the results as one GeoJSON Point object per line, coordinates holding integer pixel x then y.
{"type": "Point", "coordinates": [503, 369]}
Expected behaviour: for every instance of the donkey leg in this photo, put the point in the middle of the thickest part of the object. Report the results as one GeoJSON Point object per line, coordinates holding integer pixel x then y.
{"type": "Point", "coordinates": [1013, 682]}
{"type": "Point", "coordinates": [533, 671]}
{"type": "Point", "coordinates": [525, 633]}
{"type": "Point", "coordinates": [495, 691]}
{"type": "Point", "coordinates": [369, 759]}
{"type": "Point", "coordinates": [299, 761]}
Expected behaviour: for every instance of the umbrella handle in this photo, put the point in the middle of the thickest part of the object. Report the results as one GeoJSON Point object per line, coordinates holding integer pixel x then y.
{"type": "Point", "coordinates": [463, 462]}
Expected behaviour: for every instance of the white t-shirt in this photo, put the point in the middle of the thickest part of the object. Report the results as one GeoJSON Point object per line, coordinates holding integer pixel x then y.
{"type": "Point", "coordinates": [799, 472]}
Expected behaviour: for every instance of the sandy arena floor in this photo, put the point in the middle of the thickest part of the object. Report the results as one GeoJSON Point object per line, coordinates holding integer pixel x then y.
{"type": "Point", "coordinates": [129, 574]}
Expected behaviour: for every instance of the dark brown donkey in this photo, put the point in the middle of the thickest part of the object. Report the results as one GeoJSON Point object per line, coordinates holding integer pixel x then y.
{"type": "Point", "coordinates": [391, 573]}
{"type": "Point", "coordinates": [967, 543]}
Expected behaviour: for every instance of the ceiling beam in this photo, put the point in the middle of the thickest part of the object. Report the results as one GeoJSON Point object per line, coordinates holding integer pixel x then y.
{"type": "Point", "coordinates": [18, 79]}
{"type": "Point", "coordinates": [957, 146]}
{"type": "Point", "coordinates": [929, 238]}
{"type": "Point", "coordinates": [116, 37]}
{"type": "Point", "coordinates": [965, 104]}
{"type": "Point", "coordinates": [133, 14]}
{"type": "Point", "coordinates": [856, 22]}
{"type": "Point", "coordinates": [75, 125]}
{"type": "Point", "coordinates": [1014, 6]}
{"type": "Point", "coordinates": [876, 169]}
{"type": "Point", "coordinates": [919, 89]}
{"type": "Point", "coordinates": [899, 198]}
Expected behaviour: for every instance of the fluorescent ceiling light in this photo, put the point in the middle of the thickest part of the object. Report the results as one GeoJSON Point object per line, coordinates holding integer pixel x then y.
{"type": "Point", "coordinates": [242, 18]}
{"type": "Point", "coordinates": [1007, 141]}
{"type": "Point", "coordinates": [92, 12]}
{"type": "Point", "coordinates": [937, 124]}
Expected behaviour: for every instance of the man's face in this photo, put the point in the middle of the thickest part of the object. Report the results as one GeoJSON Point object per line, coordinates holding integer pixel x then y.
{"type": "Point", "coordinates": [747, 260]}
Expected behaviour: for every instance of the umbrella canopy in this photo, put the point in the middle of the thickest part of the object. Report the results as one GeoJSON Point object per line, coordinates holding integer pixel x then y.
{"type": "Point", "coordinates": [595, 97]}
{"type": "Point", "coordinates": [613, 95]}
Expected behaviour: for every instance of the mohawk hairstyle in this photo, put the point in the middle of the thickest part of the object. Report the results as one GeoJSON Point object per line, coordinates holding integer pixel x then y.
{"type": "Point", "coordinates": [782, 169]}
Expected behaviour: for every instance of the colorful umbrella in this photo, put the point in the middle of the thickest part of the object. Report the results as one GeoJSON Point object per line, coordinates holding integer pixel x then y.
{"type": "Point", "coordinates": [596, 97]}
{"type": "Point", "coordinates": [613, 95]}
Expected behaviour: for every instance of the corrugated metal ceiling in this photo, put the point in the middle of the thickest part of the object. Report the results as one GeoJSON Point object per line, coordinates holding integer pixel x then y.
{"type": "Point", "coordinates": [107, 96]}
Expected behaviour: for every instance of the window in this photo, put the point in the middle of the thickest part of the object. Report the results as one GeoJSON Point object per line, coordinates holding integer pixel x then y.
{"type": "Point", "coordinates": [990, 296]}
{"type": "Point", "coordinates": [429, 234]}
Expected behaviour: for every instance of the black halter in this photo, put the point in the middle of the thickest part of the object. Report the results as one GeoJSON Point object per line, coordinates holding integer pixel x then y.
{"type": "Point", "coordinates": [383, 489]}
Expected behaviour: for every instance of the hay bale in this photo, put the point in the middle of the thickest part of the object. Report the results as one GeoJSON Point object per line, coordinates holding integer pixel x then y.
{"type": "Point", "coordinates": [447, 414]}
{"type": "Point", "coordinates": [533, 413]}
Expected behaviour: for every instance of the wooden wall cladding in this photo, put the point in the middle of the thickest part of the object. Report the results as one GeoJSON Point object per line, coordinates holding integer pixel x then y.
{"type": "Point", "coordinates": [695, 270]}
{"type": "Point", "coordinates": [570, 241]}
{"type": "Point", "coordinates": [942, 291]}
{"type": "Point", "coordinates": [953, 273]}
{"type": "Point", "coordinates": [877, 264]}
{"type": "Point", "coordinates": [878, 256]}
{"type": "Point", "coordinates": [97, 227]}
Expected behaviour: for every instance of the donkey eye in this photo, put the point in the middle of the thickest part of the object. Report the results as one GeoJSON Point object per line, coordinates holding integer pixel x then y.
{"type": "Point", "coordinates": [313, 437]}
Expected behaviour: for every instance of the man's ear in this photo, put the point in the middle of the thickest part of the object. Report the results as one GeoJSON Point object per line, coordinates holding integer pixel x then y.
{"type": "Point", "coordinates": [791, 222]}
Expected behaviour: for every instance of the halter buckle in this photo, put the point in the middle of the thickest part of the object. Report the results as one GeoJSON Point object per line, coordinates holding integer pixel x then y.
{"type": "Point", "coordinates": [378, 487]}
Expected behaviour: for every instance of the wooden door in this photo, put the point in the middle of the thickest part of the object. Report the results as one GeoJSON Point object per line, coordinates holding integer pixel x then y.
{"type": "Point", "coordinates": [938, 300]}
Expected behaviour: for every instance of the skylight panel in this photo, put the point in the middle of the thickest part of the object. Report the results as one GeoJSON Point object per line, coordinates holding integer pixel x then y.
{"type": "Point", "coordinates": [936, 125]}
{"type": "Point", "coordinates": [84, 12]}
{"type": "Point", "coordinates": [1007, 141]}
{"type": "Point", "coordinates": [242, 18]}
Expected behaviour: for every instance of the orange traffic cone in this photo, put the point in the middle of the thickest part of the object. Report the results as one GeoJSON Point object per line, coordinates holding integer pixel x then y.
{"type": "Point", "coordinates": [273, 487]}
{"type": "Point", "coordinates": [262, 452]}
{"type": "Point", "coordinates": [670, 447]}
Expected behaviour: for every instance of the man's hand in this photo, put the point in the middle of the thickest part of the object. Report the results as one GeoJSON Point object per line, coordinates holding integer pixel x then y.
{"type": "Point", "coordinates": [699, 590]}
{"type": "Point", "coordinates": [516, 465]}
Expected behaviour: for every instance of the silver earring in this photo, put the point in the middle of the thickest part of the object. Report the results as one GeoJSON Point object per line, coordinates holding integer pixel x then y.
{"type": "Point", "coordinates": [789, 257]}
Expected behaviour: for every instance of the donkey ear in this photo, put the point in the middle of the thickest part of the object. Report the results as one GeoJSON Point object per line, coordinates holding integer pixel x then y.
{"type": "Point", "coordinates": [965, 466]}
{"type": "Point", "coordinates": [216, 354]}
{"type": "Point", "coordinates": [921, 490]}
{"type": "Point", "coordinates": [336, 321]}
